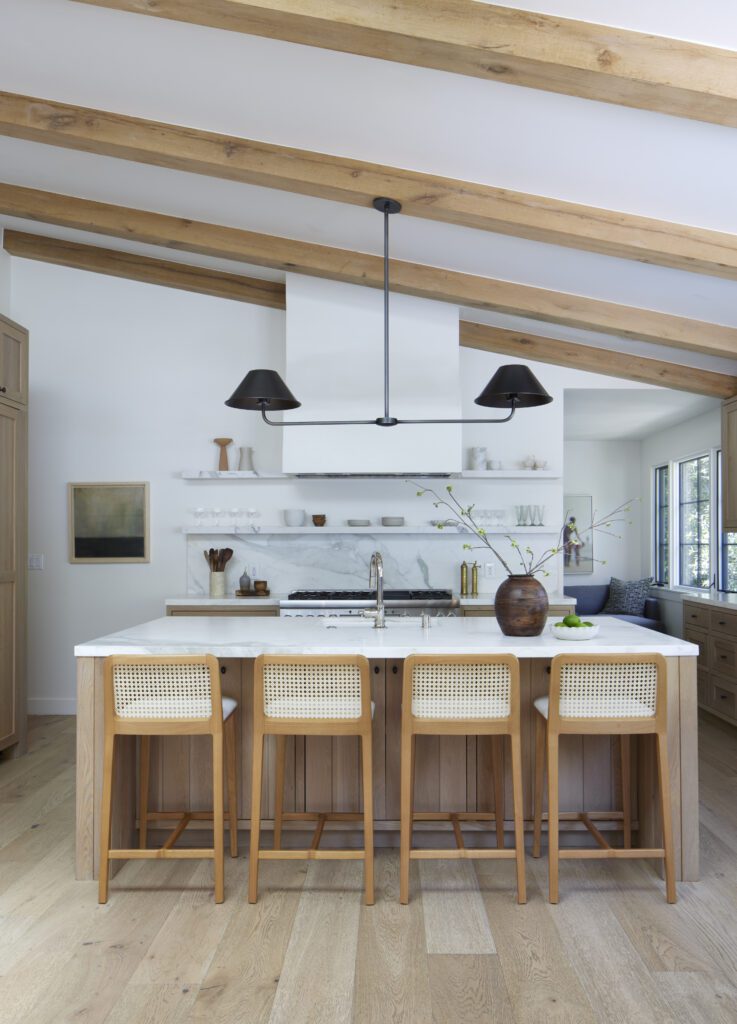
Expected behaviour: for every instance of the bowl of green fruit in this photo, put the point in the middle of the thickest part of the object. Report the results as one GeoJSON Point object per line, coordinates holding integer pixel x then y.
{"type": "Point", "coordinates": [574, 628]}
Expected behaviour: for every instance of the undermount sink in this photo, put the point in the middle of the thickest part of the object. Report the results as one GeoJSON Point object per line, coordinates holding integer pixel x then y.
{"type": "Point", "coordinates": [340, 622]}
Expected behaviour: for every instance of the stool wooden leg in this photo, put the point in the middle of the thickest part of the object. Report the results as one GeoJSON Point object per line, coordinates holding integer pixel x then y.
{"type": "Point", "coordinates": [368, 818]}
{"type": "Point", "coordinates": [552, 816]}
{"type": "Point", "coordinates": [405, 837]}
{"type": "Point", "coordinates": [218, 823]}
{"type": "Point", "coordinates": [230, 752]}
{"type": "Point", "coordinates": [497, 757]}
{"type": "Point", "coordinates": [540, 730]}
{"type": "Point", "coordinates": [281, 758]}
{"type": "Point", "coordinates": [519, 827]}
{"type": "Point", "coordinates": [144, 770]}
{"type": "Point", "coordinates": [258, 764]}
{"type": "Point", "coordinates": [106, 815]}
{"type": "Point", "coordinates": [664, 778]}
{"type": "Point", "coordinates": [624, 746]}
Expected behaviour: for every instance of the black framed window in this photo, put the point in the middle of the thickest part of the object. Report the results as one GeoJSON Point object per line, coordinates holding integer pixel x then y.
{"type": "Point", "coordinates": [694, 522]}
{"type": "Point", "coordinates": [662, 524]}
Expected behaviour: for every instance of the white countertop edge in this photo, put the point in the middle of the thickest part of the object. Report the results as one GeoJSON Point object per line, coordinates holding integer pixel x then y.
{"type": "Point", "coordinates": [242, 637]}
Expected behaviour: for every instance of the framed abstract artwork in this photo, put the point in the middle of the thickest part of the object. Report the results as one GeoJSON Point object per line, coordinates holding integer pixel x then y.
{"type": "Point", "coordinates": [108, 523]}
{"type": "Point", "coordinates": [578, 539]}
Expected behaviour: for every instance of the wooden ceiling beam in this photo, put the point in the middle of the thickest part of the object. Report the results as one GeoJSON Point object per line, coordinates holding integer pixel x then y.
{"type": "Point", "coordinates": [502, 44]}
{"type": "Point", "coordinates": [290, 255]}
{"type": "Point", "coordinates": [427, 196]}
{"type": "Point", "coordinates": [273, 294]}
{"type": "Point", "coordinates": [144, 268]}
{"type": "Point", "coordinates": [570, 354]}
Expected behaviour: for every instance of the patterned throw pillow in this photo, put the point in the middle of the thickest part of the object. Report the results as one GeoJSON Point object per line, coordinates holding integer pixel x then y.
{"type": "Point", "coordinates": [627, 597]}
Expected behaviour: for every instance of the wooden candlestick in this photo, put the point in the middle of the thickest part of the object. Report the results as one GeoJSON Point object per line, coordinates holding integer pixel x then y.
{"type": "Point", "coordinates": [222, 443]}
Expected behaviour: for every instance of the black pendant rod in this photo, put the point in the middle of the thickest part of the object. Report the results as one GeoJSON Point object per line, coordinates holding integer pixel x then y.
{"type": "Point", "coordinates": [386, 207]}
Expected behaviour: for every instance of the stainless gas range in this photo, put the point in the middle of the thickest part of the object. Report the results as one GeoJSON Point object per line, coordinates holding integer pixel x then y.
{"type": "Point", "coordinates": [328, 603]}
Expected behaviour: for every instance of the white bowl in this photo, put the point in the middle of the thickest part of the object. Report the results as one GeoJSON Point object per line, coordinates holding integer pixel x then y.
{"type": "Point", "coordinates": [358, 522]}
{"type": "Point", "coordinates": [574, 632]}
{"type": "Point", "coordinates": [295, 516]}
{"type": "Point", "coordinates": [392, 520]}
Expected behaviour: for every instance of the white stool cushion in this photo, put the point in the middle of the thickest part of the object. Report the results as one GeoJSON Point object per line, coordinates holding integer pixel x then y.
{"type": "Point", "coordinates": [156, 707]}
{"type": "Point", "coordinates": [316, 709]}
{"type": "Point", "coordinates": [626, 708]}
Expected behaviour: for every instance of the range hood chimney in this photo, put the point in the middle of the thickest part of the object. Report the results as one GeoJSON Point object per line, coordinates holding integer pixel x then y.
{"type": "Point", "coordinates": [334, 364]}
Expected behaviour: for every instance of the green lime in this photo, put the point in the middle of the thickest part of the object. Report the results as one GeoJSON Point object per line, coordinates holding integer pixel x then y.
{"type": "Point", "coordinates": [587, 623]}
{"type": "Point", "coordinates": [571, 620]}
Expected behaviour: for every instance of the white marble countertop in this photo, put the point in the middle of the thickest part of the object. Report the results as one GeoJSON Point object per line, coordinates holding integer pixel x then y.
{"type": "Point", "coordinates": [242, 637]}
{"type": "Point", "coordinates": [717, 599]}
{"type": "Point", "coordinates": [204, 601]}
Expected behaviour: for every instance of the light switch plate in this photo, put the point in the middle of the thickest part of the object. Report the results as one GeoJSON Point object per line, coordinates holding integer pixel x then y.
{"type": "Point", "coordinates": [35, 561]}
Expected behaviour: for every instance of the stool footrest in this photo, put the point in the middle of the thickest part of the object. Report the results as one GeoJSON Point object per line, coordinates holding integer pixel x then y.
{"type": "Point", "coordinates": [464, 853]}
{"type": "Point", "coordinates": [626, 853]}
{"type": "Point", "coordinates": [311, 854]}
{"type": "Point", "coordinates": [162, 854]}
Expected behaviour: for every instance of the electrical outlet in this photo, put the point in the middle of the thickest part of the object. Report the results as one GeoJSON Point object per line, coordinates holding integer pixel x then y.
{"type": "Point", "coordinates": [488, 570]}
{"type": "Point", "coordinates": [35, 561]}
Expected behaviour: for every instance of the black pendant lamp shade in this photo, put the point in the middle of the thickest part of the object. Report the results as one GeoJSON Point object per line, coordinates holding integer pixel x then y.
{"type": "Point", "coordinates": [513, 385]}
{"type": "Point", "coordinates": [263, 389]}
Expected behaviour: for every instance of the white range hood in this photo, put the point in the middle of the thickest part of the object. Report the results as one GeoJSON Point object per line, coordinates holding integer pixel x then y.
{"type": "Point", "coordinates": [334, 365]}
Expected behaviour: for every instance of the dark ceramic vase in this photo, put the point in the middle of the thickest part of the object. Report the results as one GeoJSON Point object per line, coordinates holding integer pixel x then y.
{"type": "Point", "coordinates": [521, 606]}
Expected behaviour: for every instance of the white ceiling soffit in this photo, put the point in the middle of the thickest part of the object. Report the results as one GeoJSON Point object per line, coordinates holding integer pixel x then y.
{"type": "Point", "coordinates": [626, 414]}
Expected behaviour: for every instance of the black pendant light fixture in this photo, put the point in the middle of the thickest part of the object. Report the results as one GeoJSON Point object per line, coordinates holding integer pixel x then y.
{"type": "Point", "coordinates": [512, 387]}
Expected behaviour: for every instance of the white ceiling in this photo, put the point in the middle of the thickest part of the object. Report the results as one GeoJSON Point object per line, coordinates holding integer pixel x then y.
{"type": "Point", "coordinates": [626, 414]}
{"type": "Point", "coordinates": [587, 152]}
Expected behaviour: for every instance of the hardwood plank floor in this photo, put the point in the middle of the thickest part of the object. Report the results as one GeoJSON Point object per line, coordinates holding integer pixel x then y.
{"type": "Point", "coordinates": [462, 952]}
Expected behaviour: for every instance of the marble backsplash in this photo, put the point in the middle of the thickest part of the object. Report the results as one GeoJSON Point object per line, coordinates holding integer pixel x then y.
{"type": "Point", "coordinates": [341, 561]}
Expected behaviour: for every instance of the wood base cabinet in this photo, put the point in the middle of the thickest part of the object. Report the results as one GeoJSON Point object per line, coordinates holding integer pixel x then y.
{"type": "Point", "coordinates": [13, 535]}
{"type": "Point", "coordinates": [715, 632]}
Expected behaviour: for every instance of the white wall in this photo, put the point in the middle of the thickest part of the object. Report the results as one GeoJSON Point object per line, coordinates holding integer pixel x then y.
{"type": "Point", "coordinates": [127, 383]}
{"type": "Point", "coordinates": [610, 472]}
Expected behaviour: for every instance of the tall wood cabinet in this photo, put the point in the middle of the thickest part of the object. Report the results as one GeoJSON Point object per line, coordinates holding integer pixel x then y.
{"type": "Point", "coordinates": [13, 532]}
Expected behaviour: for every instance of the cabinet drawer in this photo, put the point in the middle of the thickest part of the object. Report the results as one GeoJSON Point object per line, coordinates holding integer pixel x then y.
{"type": "Point", "coordinates": [699, 637]}
{"type": "Point", "coordinates": [722, 655]}
{"type": "Point", "coordinates": [695, 615]}
{"type": "Point", "coordinates": [722, 700]}
{"type": "Point", "coordinates": [723, 622]}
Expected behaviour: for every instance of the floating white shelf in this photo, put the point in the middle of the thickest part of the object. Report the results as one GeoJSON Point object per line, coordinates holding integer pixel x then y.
{"type": "Point", "coordinates": [467, 474]}
{"type": "Point", "coordinates": [247, 531]}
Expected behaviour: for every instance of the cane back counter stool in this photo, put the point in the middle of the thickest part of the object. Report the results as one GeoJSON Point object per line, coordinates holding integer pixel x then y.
{"type": "Point", "coordinates": [593, 694]}
{"type": "Point", "coordinates": [302, 695]}
{"type": "Point", "coordinates": [468, 695]}
{"type": "Point", "coordinates": [176, 695]}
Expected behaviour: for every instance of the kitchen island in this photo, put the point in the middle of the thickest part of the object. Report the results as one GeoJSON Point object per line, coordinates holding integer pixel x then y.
{"type": "Point", "coordinates": [452, 773]}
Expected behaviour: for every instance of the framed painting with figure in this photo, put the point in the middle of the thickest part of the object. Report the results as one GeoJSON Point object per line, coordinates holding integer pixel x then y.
{"type": "Point", "coordinates": [578, 539]}
{"type": "Point", "coordinates": [108, 523]}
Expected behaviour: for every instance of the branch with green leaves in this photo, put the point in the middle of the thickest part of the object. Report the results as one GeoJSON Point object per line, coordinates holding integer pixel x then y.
{"type": "Point", "coordinates": [461, 516]}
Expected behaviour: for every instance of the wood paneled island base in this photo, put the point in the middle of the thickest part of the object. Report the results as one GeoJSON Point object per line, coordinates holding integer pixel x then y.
{"type": "Point", "coordinates": [452, 773]}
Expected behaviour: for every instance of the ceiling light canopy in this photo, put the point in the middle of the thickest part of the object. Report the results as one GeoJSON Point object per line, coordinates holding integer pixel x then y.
{"type": "Point", "coordinates": [512, 387]}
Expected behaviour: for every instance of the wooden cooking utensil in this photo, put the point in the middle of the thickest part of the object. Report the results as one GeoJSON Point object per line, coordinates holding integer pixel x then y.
{"type": "Point", "coordinates": [222, 443]}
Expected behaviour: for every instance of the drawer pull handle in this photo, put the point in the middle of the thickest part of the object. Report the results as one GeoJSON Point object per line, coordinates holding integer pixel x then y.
{"type": "Point", "coordinates": [3, 389]}
{"type": "Point", "coordinates": [723, 657]}
{"type": "Point", "coordinates": [723, 696]}
{"type": "Point", "coordinates": [721, 622]}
